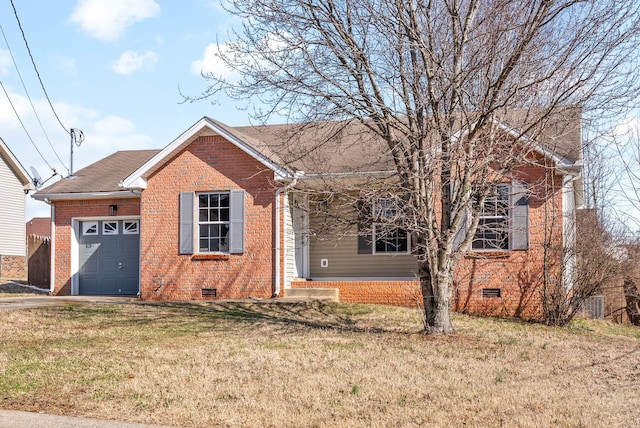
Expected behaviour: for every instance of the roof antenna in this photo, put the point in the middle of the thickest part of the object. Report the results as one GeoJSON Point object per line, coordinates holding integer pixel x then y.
{"type": "Point", "coordinates": [37, 179]}
{"type": "Point", "coordinates": [38, 182]}
{"type": "Point", "coordinates": [77, 137]}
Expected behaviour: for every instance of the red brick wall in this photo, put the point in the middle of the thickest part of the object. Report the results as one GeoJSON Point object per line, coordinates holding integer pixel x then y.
{"type": "Point", "coordinates": [397, 293]}
{"type": "Point", "coordinates": [64, 212]}
{"type": "Point", "coordinates": [208, 164]}
{"type": "Point", "coordinates": [12, 267]}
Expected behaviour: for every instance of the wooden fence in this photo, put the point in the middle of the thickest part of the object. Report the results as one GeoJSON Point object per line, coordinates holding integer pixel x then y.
{"type": "Point", "coordinates": [39, 261]}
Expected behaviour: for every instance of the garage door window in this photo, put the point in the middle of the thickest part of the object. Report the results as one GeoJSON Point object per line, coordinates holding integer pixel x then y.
{"type": "Point", "coordinates": [131, 228]}
{"type": "Point", "coordinates": [110, 228]}
{"type": "Point", "coordinates": [90, 228]}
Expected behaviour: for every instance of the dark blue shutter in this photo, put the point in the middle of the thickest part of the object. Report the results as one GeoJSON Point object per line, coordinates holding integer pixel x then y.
{"type": "Point", "coordinates": [519, 216]}
{"type": "Point", "coordinates": [236, 220]}
{"type": "Point", "coordinates": [365, 227]}
{"type": "Point", "coordinates": [461, 234]}
{"type": "Point", "coordinates": [186, 223]}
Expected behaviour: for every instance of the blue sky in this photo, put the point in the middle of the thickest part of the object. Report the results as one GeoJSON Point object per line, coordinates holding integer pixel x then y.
{"type": "Point", "coordinates": [113, 69]}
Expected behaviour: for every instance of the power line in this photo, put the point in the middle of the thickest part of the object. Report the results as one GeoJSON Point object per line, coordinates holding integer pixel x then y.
{"type": "Point", "coordinates": [15, 12]}
{"type": "Point", "coordinates": [25, 129]}
{"type": "Point", "coordinates": [29, 98]}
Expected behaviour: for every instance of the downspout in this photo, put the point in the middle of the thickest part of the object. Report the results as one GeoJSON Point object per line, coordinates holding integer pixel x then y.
{"type": "Point", "coordinates": [569, 230]}
{"type": "Point", "coordinates": [52, 247]}
{"type": "Point", "coordinates": [296, 176]}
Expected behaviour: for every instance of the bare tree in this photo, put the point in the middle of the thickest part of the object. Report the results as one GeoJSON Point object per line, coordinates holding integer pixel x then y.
{"type": "Point", "coordinates": [433, 79]}
{"type": "Point", "coordinates": [627, 178]}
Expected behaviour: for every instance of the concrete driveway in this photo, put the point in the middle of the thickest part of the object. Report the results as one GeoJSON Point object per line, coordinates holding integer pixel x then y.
{"type": "Point", "coordinates": [16, 419]}
{"type": "Point", "coordinates": [16, 303]}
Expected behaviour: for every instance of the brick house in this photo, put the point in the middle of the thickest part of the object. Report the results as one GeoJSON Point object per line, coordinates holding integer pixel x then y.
{"type": "Point", "coordinates": [218, 213]}
{"type": "Point", "coordinates": [14, 183]}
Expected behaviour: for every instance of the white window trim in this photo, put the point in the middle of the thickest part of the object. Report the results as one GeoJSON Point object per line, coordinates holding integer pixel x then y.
{"type": "Point", "coordinates": [506, 217]}
{"type": "Point", "coordinates": [381, 206]}
{"type": "Point", "coordinates": [199, 223]}
{"type": "Point", "coordinates": [387, 253]}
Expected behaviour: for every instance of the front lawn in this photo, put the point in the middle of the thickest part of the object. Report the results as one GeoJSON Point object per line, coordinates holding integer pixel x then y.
{"type": "Point", "coordinates": [313, 364]}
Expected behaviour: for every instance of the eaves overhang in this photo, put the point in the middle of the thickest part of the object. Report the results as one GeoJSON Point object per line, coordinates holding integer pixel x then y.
{"type": "Point", "coordinates": [120, 194]}
{"type": "Point", "coordinates": [564, 165]}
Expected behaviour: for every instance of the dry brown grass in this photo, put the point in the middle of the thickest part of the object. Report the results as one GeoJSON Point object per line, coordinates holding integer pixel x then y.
{"type": "Point", "coordinates": [313, 364]}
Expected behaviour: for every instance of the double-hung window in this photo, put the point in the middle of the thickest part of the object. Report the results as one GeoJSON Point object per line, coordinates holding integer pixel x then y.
{"type": "Point", "coordinates": [213, 222]}
{"type": "Point", "coordinates": [388, 238]}
{"type": "Point", "coordinates": [503, 219]}
{"type": "Point", "coordinates": [493, 226]}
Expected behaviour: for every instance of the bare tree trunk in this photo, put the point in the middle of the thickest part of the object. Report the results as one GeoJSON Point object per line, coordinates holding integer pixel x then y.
{"type": "Point", "coordinates": [632, 298]}
{"type": "Point", "coordinates": [437, 301]}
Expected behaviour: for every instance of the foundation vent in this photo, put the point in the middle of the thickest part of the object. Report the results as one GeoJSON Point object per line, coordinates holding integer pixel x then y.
{"type": "Point", "coordinates": [209, 292]}
{"type": "Point", "coordinates": [491, 293]}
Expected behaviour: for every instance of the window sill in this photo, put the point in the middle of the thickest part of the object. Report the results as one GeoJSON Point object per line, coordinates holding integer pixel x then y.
{"type": "Point", "coordinates": [212, 256]}
{"type": "Point", "coordinates": [488, 254]}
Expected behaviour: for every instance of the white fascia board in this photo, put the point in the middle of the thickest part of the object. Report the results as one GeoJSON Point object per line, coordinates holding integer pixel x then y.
{"type": "Point", "coordinates": [16, 166]}
{"type": "Point", "coordinates": [317, 176]}
{"type": "Point", "coordinates": [91, 195]}
{"type": "Point", "coordinates": [137, 181]}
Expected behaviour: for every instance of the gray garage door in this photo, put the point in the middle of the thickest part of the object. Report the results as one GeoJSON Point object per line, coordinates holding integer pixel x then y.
{"type": "Point", "coordinates": [109, 257]}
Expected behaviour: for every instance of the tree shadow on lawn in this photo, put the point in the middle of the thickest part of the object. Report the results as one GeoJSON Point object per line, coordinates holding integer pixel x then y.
{"type": "Point", "coordinates": [205, 316]}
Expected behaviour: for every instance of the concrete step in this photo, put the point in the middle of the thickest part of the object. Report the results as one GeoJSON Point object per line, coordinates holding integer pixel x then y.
{"type": "Point", "coordinates": [332, 294]}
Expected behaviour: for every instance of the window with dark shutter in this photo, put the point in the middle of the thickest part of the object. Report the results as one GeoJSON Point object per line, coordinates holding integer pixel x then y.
{"type": "Point", "coordinates": [219, 222]}
{"type": "Point", "coordinates": [365, 225]}
{"type": "Point", "coordinates": [504, 219]}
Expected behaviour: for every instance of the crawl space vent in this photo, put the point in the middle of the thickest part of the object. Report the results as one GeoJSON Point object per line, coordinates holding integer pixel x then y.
{"type": "Point", "coordinates": [491, 293]}
{"type": "Point", "coordinates": [209, 292]}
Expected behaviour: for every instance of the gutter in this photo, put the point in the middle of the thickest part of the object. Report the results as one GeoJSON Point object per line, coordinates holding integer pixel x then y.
{"type": "Point", "coordinates": [296, 176]}
{"type": "Point", "coordinates": [119, 194]}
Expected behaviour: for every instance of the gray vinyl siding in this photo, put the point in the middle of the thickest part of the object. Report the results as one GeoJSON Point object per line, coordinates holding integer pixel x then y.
{"type": "Point", "coordinates": [12, 212]}
{"type": "Point", "coordinates": [345, 262]}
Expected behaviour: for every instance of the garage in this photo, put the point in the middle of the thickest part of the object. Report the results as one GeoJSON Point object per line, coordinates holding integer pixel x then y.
{"type": "Point", "coordinates": [109, 257]}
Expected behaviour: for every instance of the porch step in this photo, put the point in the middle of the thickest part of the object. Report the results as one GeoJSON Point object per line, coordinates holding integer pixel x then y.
{"type": "Point", "coordinates": [332, 294]}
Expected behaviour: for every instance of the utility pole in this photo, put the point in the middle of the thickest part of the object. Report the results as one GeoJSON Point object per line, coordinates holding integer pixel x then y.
{"type": "Point", "coordinates": [77, 137]}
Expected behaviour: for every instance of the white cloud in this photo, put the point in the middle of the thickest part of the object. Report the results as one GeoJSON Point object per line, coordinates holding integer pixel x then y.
{"type": "Point", "coordinates": [5, 62]}
{"type": "Point", "coordinates": [211, 63]}
{"type": "Point", "coordinates": [113, 125]}
{"type": "Point", "coordinates": [104, 135]}
{"type": "Point", "coordinates": [627, 128]}
{"type": "Point", "coordinates": [107, 19]}
{"type": "Point", "coordinates": [131, 61]}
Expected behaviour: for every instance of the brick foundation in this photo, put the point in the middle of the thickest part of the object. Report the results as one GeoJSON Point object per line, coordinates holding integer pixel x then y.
{"type": "Point", "coordinates": [13, 267]}
{"type": "Point", "coordinates": [397, 293]}
{"type": "Point", "coordinates": [466, 299]}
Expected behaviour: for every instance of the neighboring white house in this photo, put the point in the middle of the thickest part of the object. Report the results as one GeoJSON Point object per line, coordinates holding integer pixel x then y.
{"type": "Point", "coordinates": [15, 182]}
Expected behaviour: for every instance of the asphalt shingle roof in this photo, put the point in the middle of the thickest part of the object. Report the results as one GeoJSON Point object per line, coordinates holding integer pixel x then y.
{"type": "Point", "coordinates": [336, 147]}
{"type": "Point", "coordinates": [103, 175]}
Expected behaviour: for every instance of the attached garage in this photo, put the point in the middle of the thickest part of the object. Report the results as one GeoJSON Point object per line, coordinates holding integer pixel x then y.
{"type": "Point", "coordinates": [109, 257]}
